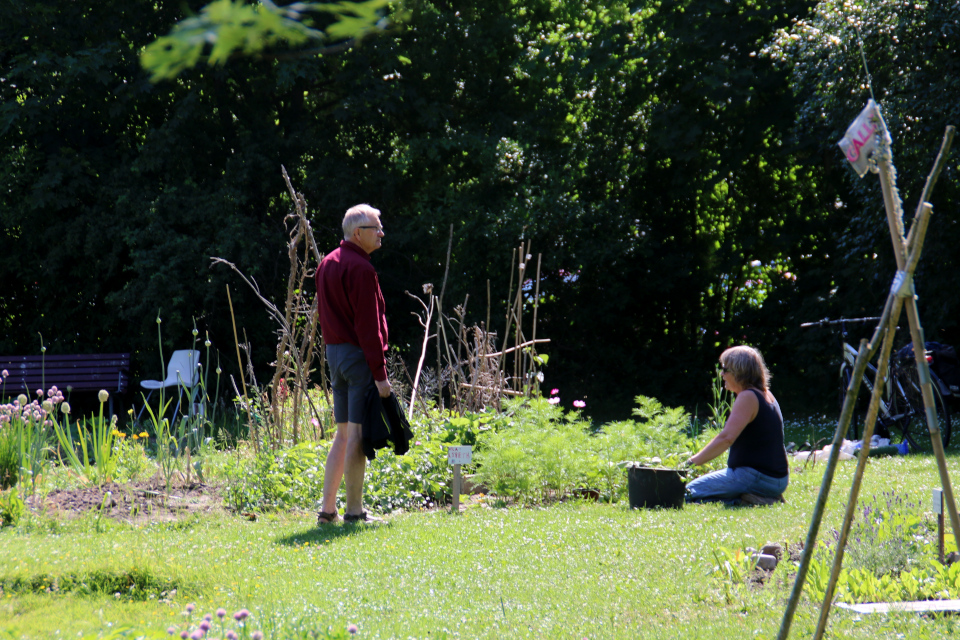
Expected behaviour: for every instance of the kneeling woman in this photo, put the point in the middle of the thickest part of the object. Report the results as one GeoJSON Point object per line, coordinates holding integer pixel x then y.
{"type": "Point", "coordinates": [757, 471]}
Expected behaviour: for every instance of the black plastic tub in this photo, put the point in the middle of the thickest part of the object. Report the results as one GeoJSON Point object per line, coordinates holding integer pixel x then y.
{"type": "Point", "coordinates": [655, 487]}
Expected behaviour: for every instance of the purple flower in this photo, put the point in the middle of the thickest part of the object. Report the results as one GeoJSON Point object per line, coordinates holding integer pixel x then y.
{"type": "Point", "coordinates": [205, 625]}
{"type": "Point", "coordinates": [184, 635]}
{"type": "Point", "coordinates": [39, 393]}
{"type": "Point", "coordinates": [171, 631]}
{"type": "Point", "coordinates": [243, 614]}
{"type": "Point", "coordinates": [4, 373]}
{"type": "Point", "coordinates": [579, 404]}
{"type": "Point", "coordinates": [352, 629]}
{"type": "Point", "coordinates": [190, 608]}
{"type": "Point", "coordinates": [221, 612]}
{"type": "Point", "coordinates": [256, 635]}
{"type": "Point", "coordinates": [208, 618]}
{"type": "Point", "coordinates": [231, 634]}
{"type": "Point", "coordinates": [197, 635]}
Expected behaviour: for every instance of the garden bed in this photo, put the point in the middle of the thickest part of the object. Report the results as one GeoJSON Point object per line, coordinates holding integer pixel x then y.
{"type": "Point", "coordinates": [134, 502]}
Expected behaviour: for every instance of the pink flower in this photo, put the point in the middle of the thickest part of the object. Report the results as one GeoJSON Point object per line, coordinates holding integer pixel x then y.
{"type": "Point", "coordinates": [256, 635]}
{"type": "Point", "coordinates": [579, 404]}
{"type": "Point", "coordinates": [352, 629]}
{"type": "Point", "coordinates": [197, 635]}
{"type": "Point", "coordinates": [205, 625]}
{"type": "Point", "coordinates": [221, 612]}
{"type": "Point", "coordinates": [4, 373]}
{"type": "Point", "coordinates": [314, 422]}
{"type": "Point", "coordinates": [554, 392]}
{"type": "Point", "coordinates": [243, 614]}
{"type": "Point", "coordinates": [171, 631]}
{"type": "Point", "coordinates": [190, 608]}
{"type": "Point", "coordinates": [39, 393]}
{"type": "Point", "coordinates": [554, 400]}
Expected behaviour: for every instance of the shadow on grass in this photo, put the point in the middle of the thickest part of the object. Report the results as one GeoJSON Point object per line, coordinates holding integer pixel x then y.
{"type": "Point", "coordinates": [329, 533]}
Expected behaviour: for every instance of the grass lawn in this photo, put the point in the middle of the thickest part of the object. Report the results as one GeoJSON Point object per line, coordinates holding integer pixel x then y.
{"type": "Point", "coordinates": [573, 570]}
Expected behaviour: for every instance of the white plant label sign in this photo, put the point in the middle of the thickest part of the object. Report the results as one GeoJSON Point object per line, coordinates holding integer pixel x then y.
{"type": "Point", "coordinates": [460, 455]}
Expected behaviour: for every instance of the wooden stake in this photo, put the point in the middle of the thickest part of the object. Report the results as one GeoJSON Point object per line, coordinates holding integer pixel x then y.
{"type": "Point", "coordinates": [456, 488]}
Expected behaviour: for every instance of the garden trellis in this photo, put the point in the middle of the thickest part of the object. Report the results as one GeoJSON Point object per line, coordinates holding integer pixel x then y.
{"type": "Point", "coordinates": [867, 145]}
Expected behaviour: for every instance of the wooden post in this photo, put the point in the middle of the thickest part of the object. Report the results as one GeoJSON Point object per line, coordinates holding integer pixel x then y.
{"type": "Point", "coordinates": [457, 456]}
{"type": "Point", "coordinates": [456, 488]}
{"type": "Point", "coordinates": [938, 509]}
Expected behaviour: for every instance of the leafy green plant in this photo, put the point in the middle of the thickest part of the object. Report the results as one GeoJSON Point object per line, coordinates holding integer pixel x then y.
{"type": "Point", "coordinates": [33, 439]}
{"type": "Point", "coordinates": [722, 400]}
{"type": "Point", "coordinates": [275, 480]}
{"type": "Point", "coordinates": [95, 459]}
{"type": "Point", "coordinates": [9, 456]}
{"type": "Point", "coordinates": [733, 564]}
{"type": "Point", "coordinates": [882, 539]}
{"type": "Point", "coordinates": [130, 455]}
{"type": "Point", "coordinates": [12, 508]}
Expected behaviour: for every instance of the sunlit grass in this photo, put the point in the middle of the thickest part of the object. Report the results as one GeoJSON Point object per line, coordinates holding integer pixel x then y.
{"type": "Point", "coordinates": [568, 571]}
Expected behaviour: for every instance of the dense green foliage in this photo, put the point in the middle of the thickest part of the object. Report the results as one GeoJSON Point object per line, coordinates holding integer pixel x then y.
{"type": "Point", "coordinates": [673, 161]}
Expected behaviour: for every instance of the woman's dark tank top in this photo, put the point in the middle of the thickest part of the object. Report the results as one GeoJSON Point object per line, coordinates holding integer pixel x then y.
{"type": "Point", "coordinates": [760, 444]}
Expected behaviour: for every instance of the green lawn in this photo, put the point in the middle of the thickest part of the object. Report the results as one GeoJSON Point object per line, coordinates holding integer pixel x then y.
{"type": "Point", "coordinates": [572, 570]}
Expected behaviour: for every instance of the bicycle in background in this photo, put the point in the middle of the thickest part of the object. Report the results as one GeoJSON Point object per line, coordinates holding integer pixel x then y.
{"type": "Point", "coordinates": [901, 414]}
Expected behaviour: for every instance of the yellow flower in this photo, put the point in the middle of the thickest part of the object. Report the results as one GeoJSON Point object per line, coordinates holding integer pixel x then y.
{"type": "Point", "coordinates": [134, 437]}
{"type": "Point", "coordinates": [115, 433]}
{"type": "Point", "coordinates": [143, 434]}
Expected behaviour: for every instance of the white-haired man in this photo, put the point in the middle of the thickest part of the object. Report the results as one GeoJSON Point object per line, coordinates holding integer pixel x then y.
{"type": "Point", "coordinates": [354, 327]}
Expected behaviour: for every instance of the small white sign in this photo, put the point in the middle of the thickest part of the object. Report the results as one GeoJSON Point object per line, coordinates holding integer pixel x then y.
{"type": "Point", "coordinates": [938, 501]}
{"type": "Point", "coordinates": [460, 455]}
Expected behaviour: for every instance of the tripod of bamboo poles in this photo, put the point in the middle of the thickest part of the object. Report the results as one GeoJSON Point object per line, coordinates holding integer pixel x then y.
{"type": "Point", "coordinates": [907, 252]}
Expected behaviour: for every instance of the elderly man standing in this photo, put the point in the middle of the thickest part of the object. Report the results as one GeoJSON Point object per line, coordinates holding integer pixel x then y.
{"type": "Point", "coordinates": [355, 332]}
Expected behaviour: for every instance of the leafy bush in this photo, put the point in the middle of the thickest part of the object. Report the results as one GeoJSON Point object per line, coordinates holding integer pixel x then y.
{"type": "Point", "coordinates": [276, 480]}
{"type": "Point", "coordinates": [542, 453]}
{"type": "Point", "coordinates": [882, 539]}
{"type": "Point", "coordinates": [12, 508]}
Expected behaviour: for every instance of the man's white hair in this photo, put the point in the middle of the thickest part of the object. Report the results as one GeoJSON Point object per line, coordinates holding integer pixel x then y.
{"type": "Point", "coordinates": [357, 216]}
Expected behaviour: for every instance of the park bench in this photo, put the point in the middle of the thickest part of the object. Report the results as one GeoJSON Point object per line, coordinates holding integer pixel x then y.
{"type": "Point", "coordinates": [69, 373]}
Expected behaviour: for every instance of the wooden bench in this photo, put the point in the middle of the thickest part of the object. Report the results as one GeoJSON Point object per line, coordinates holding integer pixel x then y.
{"type": "Point", "coordinates": [93, 372]}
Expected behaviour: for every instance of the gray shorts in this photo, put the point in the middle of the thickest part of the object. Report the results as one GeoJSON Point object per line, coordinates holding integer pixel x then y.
{"type": "Point", "coordinates": [351, 379]}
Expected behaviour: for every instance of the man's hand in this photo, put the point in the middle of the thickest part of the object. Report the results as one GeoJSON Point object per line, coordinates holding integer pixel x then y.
{"type": "Point", "coordinates": [383, 386]}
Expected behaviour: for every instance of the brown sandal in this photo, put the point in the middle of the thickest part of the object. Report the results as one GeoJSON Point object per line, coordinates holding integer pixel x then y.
{"type": "Point", "coordinates": [327, 518]}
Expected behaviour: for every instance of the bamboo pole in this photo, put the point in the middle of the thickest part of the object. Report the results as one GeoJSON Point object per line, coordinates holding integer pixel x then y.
{"type": "Point", "coordinates": [889, 330]}
{"type": "Point", "coordinates": [906, 262]}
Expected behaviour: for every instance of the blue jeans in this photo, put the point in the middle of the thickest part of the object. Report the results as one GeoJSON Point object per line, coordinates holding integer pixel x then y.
{"type": "Point", "coordinates": [730, 484]}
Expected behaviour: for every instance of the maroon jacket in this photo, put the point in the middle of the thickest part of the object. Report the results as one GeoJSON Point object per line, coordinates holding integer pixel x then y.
{"type": "Point", "coordinates": [351, 305]}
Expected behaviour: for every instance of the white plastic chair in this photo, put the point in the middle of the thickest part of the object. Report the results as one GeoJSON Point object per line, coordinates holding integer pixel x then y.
{"type": "Point", "coordinates": [183, 372]}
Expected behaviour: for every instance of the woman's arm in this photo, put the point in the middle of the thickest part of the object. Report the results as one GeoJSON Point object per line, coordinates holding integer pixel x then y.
{"type": "Point", "coordinates": [744, 410]}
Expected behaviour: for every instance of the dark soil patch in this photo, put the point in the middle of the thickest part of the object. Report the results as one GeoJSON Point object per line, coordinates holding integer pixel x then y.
{"type": "Point", "coordinates": [135, 503]}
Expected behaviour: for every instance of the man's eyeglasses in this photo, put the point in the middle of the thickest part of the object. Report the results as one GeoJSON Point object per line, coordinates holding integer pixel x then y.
{"type": "Point", "coordinates": [379, 229]}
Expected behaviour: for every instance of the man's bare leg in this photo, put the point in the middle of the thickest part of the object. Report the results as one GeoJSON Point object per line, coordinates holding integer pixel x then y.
{"type": "Point", "coordinates": [355, 465]}
{"type": "Point", "coordinates": [333, 471]}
